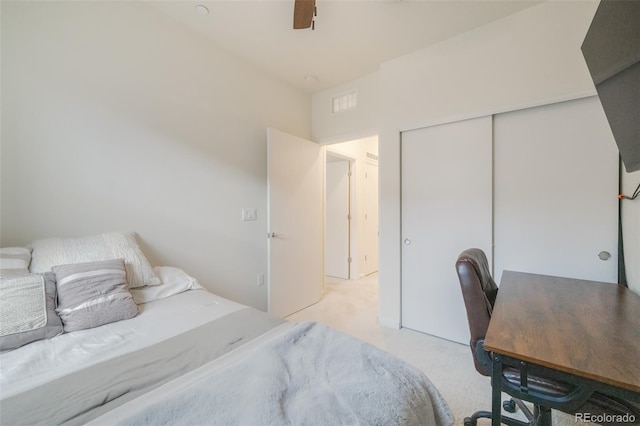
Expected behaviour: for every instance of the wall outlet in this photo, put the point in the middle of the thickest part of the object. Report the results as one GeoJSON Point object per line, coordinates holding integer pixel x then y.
{"type": "Point", "coordinates": [249, 214]}
{"type": "Point", "coordinates": [260, 280]}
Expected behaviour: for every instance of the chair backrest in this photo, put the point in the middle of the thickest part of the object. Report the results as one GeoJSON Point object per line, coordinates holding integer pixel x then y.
{"type": "Point", "coordinates": [479, 291]}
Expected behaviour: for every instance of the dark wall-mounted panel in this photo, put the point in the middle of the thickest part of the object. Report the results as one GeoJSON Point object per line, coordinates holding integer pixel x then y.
{"type": "Point", "coordinates": [611, 50]}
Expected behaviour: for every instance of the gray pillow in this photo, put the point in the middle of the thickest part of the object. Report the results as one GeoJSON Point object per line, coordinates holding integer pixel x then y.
{"type": "Point", "coordinates": [27, 310]}
{"type": "Point", "coordinates": [93, 294]}
{"type": "Point", "coordinates": [14, 261]}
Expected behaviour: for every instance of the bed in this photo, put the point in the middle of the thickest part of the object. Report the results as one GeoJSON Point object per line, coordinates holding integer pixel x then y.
{"type": "Point", "coordinates": [188, 356]}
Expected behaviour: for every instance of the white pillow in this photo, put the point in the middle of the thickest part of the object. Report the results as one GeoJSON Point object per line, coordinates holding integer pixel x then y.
{"type": "Point", "coordinates": [51, 252]}
{"type": "Point", "coordinates": [174, 281]}
{"type": "Point", "coordinates": [14, 261]}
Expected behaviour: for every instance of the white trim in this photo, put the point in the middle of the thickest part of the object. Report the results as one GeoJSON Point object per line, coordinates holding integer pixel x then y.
{"type": "Point", "coordinates": [334, 152]}
{"type": "Point", "coordinates": [389, 323]}
{"type": "Point", "coordinates": [348, 137]}
{"type": "Point", "coordinates": [492, 112]}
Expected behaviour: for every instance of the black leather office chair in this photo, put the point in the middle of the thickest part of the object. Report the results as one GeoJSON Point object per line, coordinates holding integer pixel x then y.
{"type": "Point", "coordinates": [479, 292]}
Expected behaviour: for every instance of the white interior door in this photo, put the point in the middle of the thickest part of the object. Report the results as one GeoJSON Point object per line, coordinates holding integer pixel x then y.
{"type": "Point", "coordinates": [337, 222]}
{"type": "Point", "coordinates": [295, 210]}
{"type": "Point", "coordinates": [371, 225]}
{"type": "Point", "coordinates": [556, 174]}
{"type": "Point", "coordinates": [446, 208]}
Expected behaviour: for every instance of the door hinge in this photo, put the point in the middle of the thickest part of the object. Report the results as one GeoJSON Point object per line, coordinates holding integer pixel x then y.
{"type": "Point", "coordinates": [349, 173]}
{"type": "Point", "coordinates": [348, 217]}
{"type": "Point", "coordinates": [349, 260]}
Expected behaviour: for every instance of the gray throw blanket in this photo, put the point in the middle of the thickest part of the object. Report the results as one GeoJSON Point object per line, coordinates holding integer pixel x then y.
{"type": "Point", "coordinates": [310, 375]}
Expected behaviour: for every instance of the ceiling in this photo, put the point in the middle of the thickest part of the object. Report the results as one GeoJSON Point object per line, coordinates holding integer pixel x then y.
{"type": "Point", "coordinates": [351, 37]}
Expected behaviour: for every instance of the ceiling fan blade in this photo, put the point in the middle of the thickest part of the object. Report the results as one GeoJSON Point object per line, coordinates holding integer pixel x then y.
{"type": "Point", "coordinates": [303, 11]}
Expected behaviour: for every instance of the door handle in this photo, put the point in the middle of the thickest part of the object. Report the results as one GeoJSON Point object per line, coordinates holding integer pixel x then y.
{"type": "Point", "coordinates": [272, 235]}
{"type": "Point", "coordinates": [604, 255]}
{"type": "Point", "coordinates": [407, 242]}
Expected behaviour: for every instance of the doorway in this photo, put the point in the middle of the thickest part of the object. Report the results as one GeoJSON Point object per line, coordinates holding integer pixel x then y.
{"type": "Point", "coordinates": [338, 217]}
{"type": "Point", "coordinates": [351, 204]}
{"type": "Point", "coordinates": [296, 173]}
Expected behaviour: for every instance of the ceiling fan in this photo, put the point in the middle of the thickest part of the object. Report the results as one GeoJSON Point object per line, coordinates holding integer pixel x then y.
{"type": "Point", "coordinates": [303, 13]}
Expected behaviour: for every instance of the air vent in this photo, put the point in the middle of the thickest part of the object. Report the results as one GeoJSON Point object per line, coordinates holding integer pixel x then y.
{"type": "Point", "coordinates": [344, 102]}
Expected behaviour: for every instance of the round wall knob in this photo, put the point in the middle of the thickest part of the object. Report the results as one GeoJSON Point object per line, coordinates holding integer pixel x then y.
{"type": "Point", "coordinates": [407, 242]}
{"type": "Point", "coordinates": [604, 255]}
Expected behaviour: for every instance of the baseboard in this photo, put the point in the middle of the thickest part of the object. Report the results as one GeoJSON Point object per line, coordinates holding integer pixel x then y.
{"type": "Point", "coordinates": [389, 323]}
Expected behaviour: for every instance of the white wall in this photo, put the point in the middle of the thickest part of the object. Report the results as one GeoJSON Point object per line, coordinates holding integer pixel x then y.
{"type": "Point", "coordinates": [351, 124]}
{"type": "Point", "coordinates": [631, 228]}
{"type": "Point", "coordinates": [527, 59]}
{"type": "Point", "coordinates": [115, 117]}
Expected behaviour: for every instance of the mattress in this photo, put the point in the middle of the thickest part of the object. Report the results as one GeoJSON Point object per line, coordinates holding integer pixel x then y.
{"type": "Point", "coordinates": [196, 357]}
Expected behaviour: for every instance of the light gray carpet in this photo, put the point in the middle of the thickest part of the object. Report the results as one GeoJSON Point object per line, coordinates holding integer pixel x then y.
{"type": "Point", "coordinates": [352, 307]}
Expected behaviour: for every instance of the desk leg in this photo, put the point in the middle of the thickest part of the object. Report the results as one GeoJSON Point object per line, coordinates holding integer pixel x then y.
{"type": "Point", "coordinates": [496, 390]}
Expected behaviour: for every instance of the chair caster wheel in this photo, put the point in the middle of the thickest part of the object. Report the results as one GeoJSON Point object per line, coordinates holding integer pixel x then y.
{"type": "Point", "coordinates": [510, 406]}
{"type": "Point", "coordinates": [469, 422]}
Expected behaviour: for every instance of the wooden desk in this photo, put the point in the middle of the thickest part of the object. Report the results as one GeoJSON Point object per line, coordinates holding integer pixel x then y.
{"type": "Point", "coordinates": [587, 331]}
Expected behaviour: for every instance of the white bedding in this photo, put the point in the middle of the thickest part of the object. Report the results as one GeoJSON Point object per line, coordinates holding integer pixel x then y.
{"type": "Point", "coordinates": [295, 374]}
{"type": "Point", "coordinates": [43, 361]}
{"type": "Point", "coordinates": [110, 374]}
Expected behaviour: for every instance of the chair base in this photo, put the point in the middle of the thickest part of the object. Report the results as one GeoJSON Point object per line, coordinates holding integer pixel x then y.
{"type": "Point", "coordinates": [473, 420]}
{"type": "Point", "coordinates": [510, 406]}
{"type": "Point", "coordinates": [540, 417]}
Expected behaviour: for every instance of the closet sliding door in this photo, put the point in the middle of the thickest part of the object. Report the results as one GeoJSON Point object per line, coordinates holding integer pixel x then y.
{"type": "Point", "coordinates": [446, 208]}
{"type": "Point", "coordinates": [540, 183]}
{"type": "Point", "coordinates": [556, 185]}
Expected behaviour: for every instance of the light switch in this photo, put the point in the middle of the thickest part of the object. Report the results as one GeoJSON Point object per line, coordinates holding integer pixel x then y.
{"type": "Point", "coordinates": [249, 214]}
